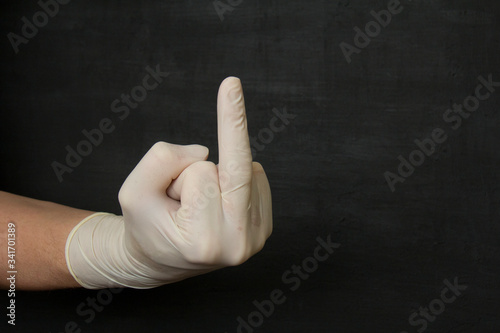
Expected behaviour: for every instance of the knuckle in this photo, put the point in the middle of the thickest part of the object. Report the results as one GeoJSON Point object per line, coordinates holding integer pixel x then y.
{"type": "Point", "coordinates": [205, 253]}
{"type": "Point", "coordinates": [162, 151]}
{"type": "Point", "coordinates": [203, 169]}
{"type": "Point", "coordinates": [202, 166]}
{"type": "Point", "coordinates": [236, 170]}
{"type": "Point", "coordinates": [238, 257]}
{"type": "Point", "coordinates": [239, 254]}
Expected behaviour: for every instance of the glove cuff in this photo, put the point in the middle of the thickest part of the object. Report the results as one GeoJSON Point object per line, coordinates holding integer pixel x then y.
{"type": "Point", "coordinates": [97, 258]}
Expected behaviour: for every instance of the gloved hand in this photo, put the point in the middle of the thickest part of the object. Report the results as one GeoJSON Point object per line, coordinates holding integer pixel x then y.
{"type": "Point", "coordinates": [182, 216]}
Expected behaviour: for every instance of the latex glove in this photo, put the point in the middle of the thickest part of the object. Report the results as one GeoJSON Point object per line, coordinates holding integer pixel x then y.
{"type": "Point", "coordinates": [182, 216]}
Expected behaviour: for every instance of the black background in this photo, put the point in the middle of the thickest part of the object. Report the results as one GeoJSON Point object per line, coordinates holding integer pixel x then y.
{"type": "Point", "coordinates": [326, 169]}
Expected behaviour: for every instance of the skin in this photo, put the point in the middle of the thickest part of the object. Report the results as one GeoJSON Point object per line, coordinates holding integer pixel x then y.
{"type": "Point", "coordinates": [41, 231]}
{"type": "Point", "coordinates": [42, 228]}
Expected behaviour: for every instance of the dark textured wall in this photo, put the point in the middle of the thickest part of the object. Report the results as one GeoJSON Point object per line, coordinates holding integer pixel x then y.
{"type": "Point", "coordinates": [351, 122]}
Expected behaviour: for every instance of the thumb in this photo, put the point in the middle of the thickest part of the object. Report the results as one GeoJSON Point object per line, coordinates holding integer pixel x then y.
{"type": "Point", "coordinates": [161, 164]}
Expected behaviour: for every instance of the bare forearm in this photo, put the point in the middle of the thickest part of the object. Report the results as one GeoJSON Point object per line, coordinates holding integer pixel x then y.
{"type": "Point", "coordinates": [182, 216]}
{"type": "Point", "coordinates": [41, 231]}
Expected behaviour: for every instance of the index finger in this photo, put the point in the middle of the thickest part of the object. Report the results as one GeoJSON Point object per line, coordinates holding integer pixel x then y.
{"type": "Point", "coordinates": [235, 156]}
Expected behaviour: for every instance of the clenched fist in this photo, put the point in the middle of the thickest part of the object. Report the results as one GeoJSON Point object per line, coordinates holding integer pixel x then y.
{"type": "Point", "coordinates": [182, 215]}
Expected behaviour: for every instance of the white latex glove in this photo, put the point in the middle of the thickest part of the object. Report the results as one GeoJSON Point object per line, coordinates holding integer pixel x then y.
{"type": "Point", "coordinates": [182, 216]}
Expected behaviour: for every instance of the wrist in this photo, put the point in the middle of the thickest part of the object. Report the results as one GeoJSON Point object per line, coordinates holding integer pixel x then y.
{"type": "Point", "coordinates": [97, 256]}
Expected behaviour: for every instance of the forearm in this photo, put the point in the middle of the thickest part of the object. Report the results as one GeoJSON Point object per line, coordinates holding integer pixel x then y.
{"type": "Point", "coordinates": [41, 231]}
{"type": "Point", "coordinates": [182, 216]}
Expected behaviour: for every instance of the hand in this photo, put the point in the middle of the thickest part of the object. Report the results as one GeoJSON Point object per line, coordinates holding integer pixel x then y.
{"type": "Point", "coordinates": [184, 216]}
